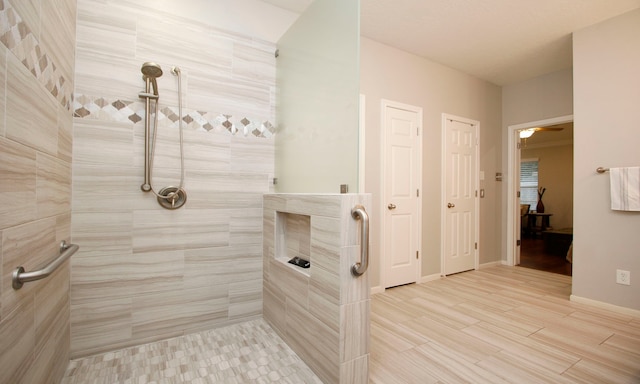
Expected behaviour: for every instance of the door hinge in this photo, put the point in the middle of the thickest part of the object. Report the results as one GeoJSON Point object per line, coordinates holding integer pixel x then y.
{"type": "Point", "coordinates": [476, 245]}
{"type": "Point", "coordinates": [417, 254]}
{"type": "Point", "coordinates": [476, 193]}
{"type": "Point", "coordinates": [518, 242]}
{"type": "Point", "coordinates": [519, 146]}
{"type": "Point", "coordinates": [417, 131]}
{"type": "Point", "coordinates": [417, 193]}
{"type": "Point", "coordinates": [518, 193]}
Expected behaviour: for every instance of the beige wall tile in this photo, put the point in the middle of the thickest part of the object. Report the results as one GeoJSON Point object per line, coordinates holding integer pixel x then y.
{"type": "Point", "coordinates": [17, 338]}
{"type": "Point", "coordinates": [3, 79]}
{"type": "Point", "coordinates": [180, 229]}
{"type": "Point", "coordinates": [18, 175]}
{"type": "Point", "coordinates": [57, 37]}
{"type": "Point", "coordinates": [29, 12]}
{"type": "Point", "coordinates": [159, 315]}
{"type": "Point", "coordinates": [210, 267]}
{"type": "Point", "coordinates": [31, 111]}
{"type": "Point", "coordinates": [126, 275]}
{"type": "Point", "coordinates": [100, 325]}
{"type": "Point", "coordinates": [32, 246]}
{"type": "Point", "coordinates": [103, 143]}
{"type": "Point", "coordinates": [53, 184]}
{"type": "Point", "coordinates": [65, 134]}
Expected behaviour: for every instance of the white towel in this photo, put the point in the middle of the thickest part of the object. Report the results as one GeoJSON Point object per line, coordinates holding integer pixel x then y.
{"type": "Point", "coordinates": [625, 188]}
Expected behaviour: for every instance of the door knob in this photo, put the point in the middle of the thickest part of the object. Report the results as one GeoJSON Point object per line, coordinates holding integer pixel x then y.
{"type": "Point", "coordinates": [391, 206]}
{"type": "Point", "coordinates": [450, 205]}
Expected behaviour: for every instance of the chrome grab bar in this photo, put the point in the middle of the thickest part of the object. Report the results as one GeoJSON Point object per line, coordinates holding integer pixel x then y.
{"type": "Point", "coordinates": [20, 276]}
{"type": "Point", "coordinates": [358, 212]}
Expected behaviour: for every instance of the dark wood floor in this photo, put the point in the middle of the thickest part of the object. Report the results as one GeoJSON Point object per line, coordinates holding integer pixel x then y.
{"type": "Point", "coordinates": [533, 255]}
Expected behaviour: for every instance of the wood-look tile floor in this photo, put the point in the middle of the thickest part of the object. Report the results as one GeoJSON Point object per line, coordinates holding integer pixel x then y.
{"type": "Point", "coordinates": [499, 325]}
{"type": "Point", "coordinates": [250, 352]}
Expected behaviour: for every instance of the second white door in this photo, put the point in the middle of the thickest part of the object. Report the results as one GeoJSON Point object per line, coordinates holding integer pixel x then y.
{"type": "Point", "coordinates": [460, 205]}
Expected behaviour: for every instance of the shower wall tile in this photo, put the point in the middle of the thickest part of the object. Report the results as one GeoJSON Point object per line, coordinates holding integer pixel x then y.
{"type": "Point", "coordinates": [101, 143]}
{"type": "Point", "coordinates": [53, 183]}
{"type": "Point", "coordinates": [65, 135]}
{"type": "Point", "coordinates": [129, 275]}
{"type": "Point", "coordinates": [254, 61]}
{"type": "Point", "coordinates": [102, 188]}
{"type": "Point", "coordinates": [58, 23]}
{"type": "Point", "coordinates": [258, 152]}
{"type": "Point", "coordinates": [245, 226]}
{"type": "Point", "coordinates": [102, 233]}
{"type": "Point", "coordinates": [18, 174]}
{"type": "Point", "coordinates": [31, 112]}
{"type": "Point", "coordinates": [18, 337]}
{"type": "Point", "coordinates": [98, 323]}
{"type": "Point", "coordinates": [3, 80]}
{"type": "Point", "coordinates": [233, 96]}
{"type": "Point", "coordinates": [30, 245]}
{"type": "Point", "coordinates": [157, 44]}
{"type": "Point", "coordinates": [166, 230]}
{"type": "Point", "coordinates": [29, 11]}
{"type": "Point", "coordinates": [168, 313]}
{"type": "Point", "coordinates": [245, 299]}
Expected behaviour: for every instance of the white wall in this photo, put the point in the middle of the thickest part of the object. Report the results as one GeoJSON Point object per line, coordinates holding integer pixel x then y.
{"type": "Point", "coordinates": [392, 74]}
{"type": "Point", "coordinates": [607, 133]}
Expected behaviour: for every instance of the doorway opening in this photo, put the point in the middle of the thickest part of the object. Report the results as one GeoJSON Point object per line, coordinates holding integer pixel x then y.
{"type": "Point", "coordinates": [541, 238]}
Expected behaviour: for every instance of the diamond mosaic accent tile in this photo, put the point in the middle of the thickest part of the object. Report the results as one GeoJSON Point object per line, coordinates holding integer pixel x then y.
{"type": "Point", "coordinates": [249, 352]}
{"type": "Point", "coordinates": [19, 39]}
{"type": "Point", "coordinates": [119, 110]}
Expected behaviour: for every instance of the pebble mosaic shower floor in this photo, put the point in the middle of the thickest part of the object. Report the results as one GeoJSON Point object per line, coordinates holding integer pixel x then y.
{"type": "Point", "coordinates": [249, 352]}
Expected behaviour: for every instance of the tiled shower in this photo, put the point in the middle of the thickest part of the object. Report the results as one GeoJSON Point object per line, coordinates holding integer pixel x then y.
{"type": "Point", "coordinates": [142, 273]}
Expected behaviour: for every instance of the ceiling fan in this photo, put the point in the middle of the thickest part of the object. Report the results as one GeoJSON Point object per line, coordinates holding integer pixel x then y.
{"type": "Point", "coordinates": [527, 133]}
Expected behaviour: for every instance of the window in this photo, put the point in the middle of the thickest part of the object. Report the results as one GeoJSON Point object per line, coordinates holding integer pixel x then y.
{"type": "Point", "coordinates": [529, 182]}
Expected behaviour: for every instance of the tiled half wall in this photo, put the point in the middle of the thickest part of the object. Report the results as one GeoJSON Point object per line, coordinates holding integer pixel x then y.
{"type": "Point", "coordinates": [321, 312]}
{"type": "Point", "coordinates": [144, 273]}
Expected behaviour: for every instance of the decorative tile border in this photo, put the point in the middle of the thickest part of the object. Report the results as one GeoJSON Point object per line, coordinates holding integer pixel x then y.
{"type": "Point", "coordinates": [19, 39]}
{"type": "Point", "coordinates": [119, 110]}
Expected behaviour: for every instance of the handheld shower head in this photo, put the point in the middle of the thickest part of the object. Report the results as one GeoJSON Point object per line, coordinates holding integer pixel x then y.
{"type": "Point", "coordinates": [151, 71]}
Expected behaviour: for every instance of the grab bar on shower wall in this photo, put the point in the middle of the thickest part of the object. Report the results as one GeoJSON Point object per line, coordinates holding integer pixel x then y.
{"type": "Point", "coordinates": [20, 276]}
{"type": "Point", "coordinates": [358, 212]}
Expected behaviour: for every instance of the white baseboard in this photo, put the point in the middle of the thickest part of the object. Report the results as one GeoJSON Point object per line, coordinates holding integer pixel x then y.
{"type": "Point", "coordinates": [607, 306]}
{"type": "Point", "coordinates": [377, 289]}
{"type": "Point", "coordinates": [490, 264]}
{"type": "Point", "coordinates": [423, 279]}
{"type": "Point", "coordinates": [428, 278]}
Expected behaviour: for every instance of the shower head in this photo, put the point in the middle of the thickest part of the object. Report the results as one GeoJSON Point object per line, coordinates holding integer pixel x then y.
{"type": "Point", "coordinates": [151, 71]}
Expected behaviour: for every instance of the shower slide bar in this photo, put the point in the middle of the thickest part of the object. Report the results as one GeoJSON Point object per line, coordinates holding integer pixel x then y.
{"type": "Point", "coordinates": [358, 212]}
{"type": "Point", "coordinates": [20, 276]}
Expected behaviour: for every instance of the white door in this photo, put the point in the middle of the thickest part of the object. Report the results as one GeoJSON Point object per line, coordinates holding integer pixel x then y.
{"type": "Point", "coordinates": [460, 206]}
{"type": "Point", "coordinates": [401, 206]}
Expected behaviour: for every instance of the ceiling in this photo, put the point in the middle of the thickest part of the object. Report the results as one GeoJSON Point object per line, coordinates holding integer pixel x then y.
{"type": "Point", "coordinates": [550, 138]}
{"type": "Point", "coordinates": [501, 41]}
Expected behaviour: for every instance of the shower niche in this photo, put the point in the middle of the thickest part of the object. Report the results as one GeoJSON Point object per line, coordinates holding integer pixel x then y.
{"type": "Point", "coordinates": [293, 240]}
